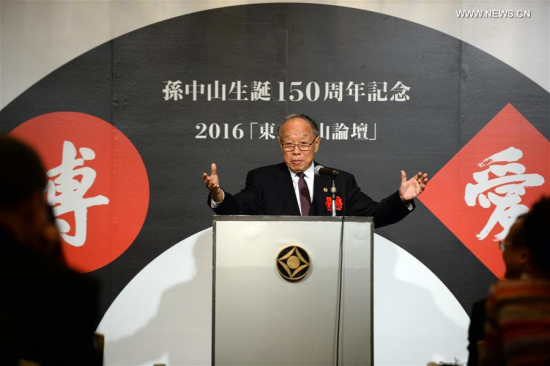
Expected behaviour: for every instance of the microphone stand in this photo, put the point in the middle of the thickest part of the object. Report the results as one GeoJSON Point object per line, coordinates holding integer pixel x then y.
{"type": "Point", "coordinates": [333, 194]}
{"type": "Point", "coordinates": [340, 274]}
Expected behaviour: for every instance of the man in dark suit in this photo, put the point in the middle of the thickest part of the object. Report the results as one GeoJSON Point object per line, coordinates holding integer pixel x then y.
{"type": "Point", "coordinates": [291, 188]}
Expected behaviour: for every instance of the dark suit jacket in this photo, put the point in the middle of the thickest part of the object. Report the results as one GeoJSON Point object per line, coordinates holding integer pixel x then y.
{"type": "Point", "coordinates": [475, 331]}
{"type": "Point", "coordinates": [269, 191]}
{"type": "Point", "coordinates": [48, 312]}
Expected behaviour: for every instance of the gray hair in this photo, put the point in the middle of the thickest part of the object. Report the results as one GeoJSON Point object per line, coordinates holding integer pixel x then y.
{"type": "Point", "coordinates": [310, 121]}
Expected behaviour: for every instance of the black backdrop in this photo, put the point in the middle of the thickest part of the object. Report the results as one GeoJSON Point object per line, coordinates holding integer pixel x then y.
{"type": "Point", "coordinates": [455, 89]}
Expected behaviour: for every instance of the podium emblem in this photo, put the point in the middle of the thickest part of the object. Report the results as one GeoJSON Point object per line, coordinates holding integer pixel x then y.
{"type": "Point", "coordinates": [293, 263]}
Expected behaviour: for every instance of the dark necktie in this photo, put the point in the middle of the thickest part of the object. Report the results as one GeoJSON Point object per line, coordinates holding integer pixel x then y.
{"type": "Point", "coordinates": [305, 198]}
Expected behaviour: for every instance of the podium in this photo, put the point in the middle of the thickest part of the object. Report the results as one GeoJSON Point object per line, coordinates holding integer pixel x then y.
{"type": "Point", "coordinates": [291, 290]}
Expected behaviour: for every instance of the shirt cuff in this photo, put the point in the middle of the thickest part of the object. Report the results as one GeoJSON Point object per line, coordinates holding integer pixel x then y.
{"type": "Point", "coordinates": [214, 204]}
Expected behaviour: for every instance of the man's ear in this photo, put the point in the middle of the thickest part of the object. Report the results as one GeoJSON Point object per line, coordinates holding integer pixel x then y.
{"type": "Point", "coordinates": [317, 143]}
{"type": "Point", "coordinates": [525, 255]}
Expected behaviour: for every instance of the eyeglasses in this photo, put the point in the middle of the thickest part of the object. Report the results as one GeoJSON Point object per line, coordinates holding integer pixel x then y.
{"type": "Point", "coordinates": [303, 146]}
{"type": "Point", "coordinates": [502, 245]}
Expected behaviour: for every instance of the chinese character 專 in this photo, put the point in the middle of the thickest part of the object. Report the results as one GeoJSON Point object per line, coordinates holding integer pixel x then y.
{"type": "Point", "coordinates": [68, 184]}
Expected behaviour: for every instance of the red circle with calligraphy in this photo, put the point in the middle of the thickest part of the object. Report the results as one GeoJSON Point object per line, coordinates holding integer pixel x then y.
{"type": "Point", "coordinates": [97, 184]}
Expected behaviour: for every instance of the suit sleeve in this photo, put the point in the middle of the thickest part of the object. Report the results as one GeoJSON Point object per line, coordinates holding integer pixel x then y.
{"type": "Point", "coordinates": [388, 211]}
{"type": "Point", "coordinates": [246, 202]}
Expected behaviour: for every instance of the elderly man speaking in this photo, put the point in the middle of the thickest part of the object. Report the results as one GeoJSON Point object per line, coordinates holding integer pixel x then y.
{"type": "Point", "coordinates": [294, 188]}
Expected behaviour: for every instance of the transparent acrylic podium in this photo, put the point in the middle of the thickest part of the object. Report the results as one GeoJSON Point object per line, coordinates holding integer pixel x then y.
{"type": "Point", "coordinates": [261, 318]}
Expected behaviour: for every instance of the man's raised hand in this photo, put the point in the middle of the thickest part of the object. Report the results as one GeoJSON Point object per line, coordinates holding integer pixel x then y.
{"type": "Point", "coordinates": [212, 182]}
{"type": "Point", "coordinates": [412, 188]}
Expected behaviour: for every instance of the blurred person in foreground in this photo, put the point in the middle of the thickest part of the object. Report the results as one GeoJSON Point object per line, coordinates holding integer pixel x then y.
{"type": "Point", "coordinates": [48, 312]}
{"type": "Point", "coordinates": [477, 315]}
{"type": "Point", "coordinates": [517, 325]}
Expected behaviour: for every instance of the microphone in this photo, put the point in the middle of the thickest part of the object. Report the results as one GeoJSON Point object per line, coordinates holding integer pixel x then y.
{"type": "Point", "coordinates": [321, 170]}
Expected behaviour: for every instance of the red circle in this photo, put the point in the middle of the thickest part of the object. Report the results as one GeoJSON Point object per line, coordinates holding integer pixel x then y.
{"type": "Point", "coordinates": [113, 204]}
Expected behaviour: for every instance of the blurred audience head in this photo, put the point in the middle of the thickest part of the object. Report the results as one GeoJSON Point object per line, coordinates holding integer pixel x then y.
{"type": "Point", "coordinates": [526, 249]}
{"type": "Point", "coordinates": [536, 233]}
{"type": "Point", "coordinates": [23, 211]}
{"type": "Point", "coordinates": [514, 251]}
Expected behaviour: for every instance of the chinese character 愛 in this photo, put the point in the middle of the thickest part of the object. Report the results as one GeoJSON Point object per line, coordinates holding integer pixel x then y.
{"type": "Point", "coordinates": [502, 185]}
